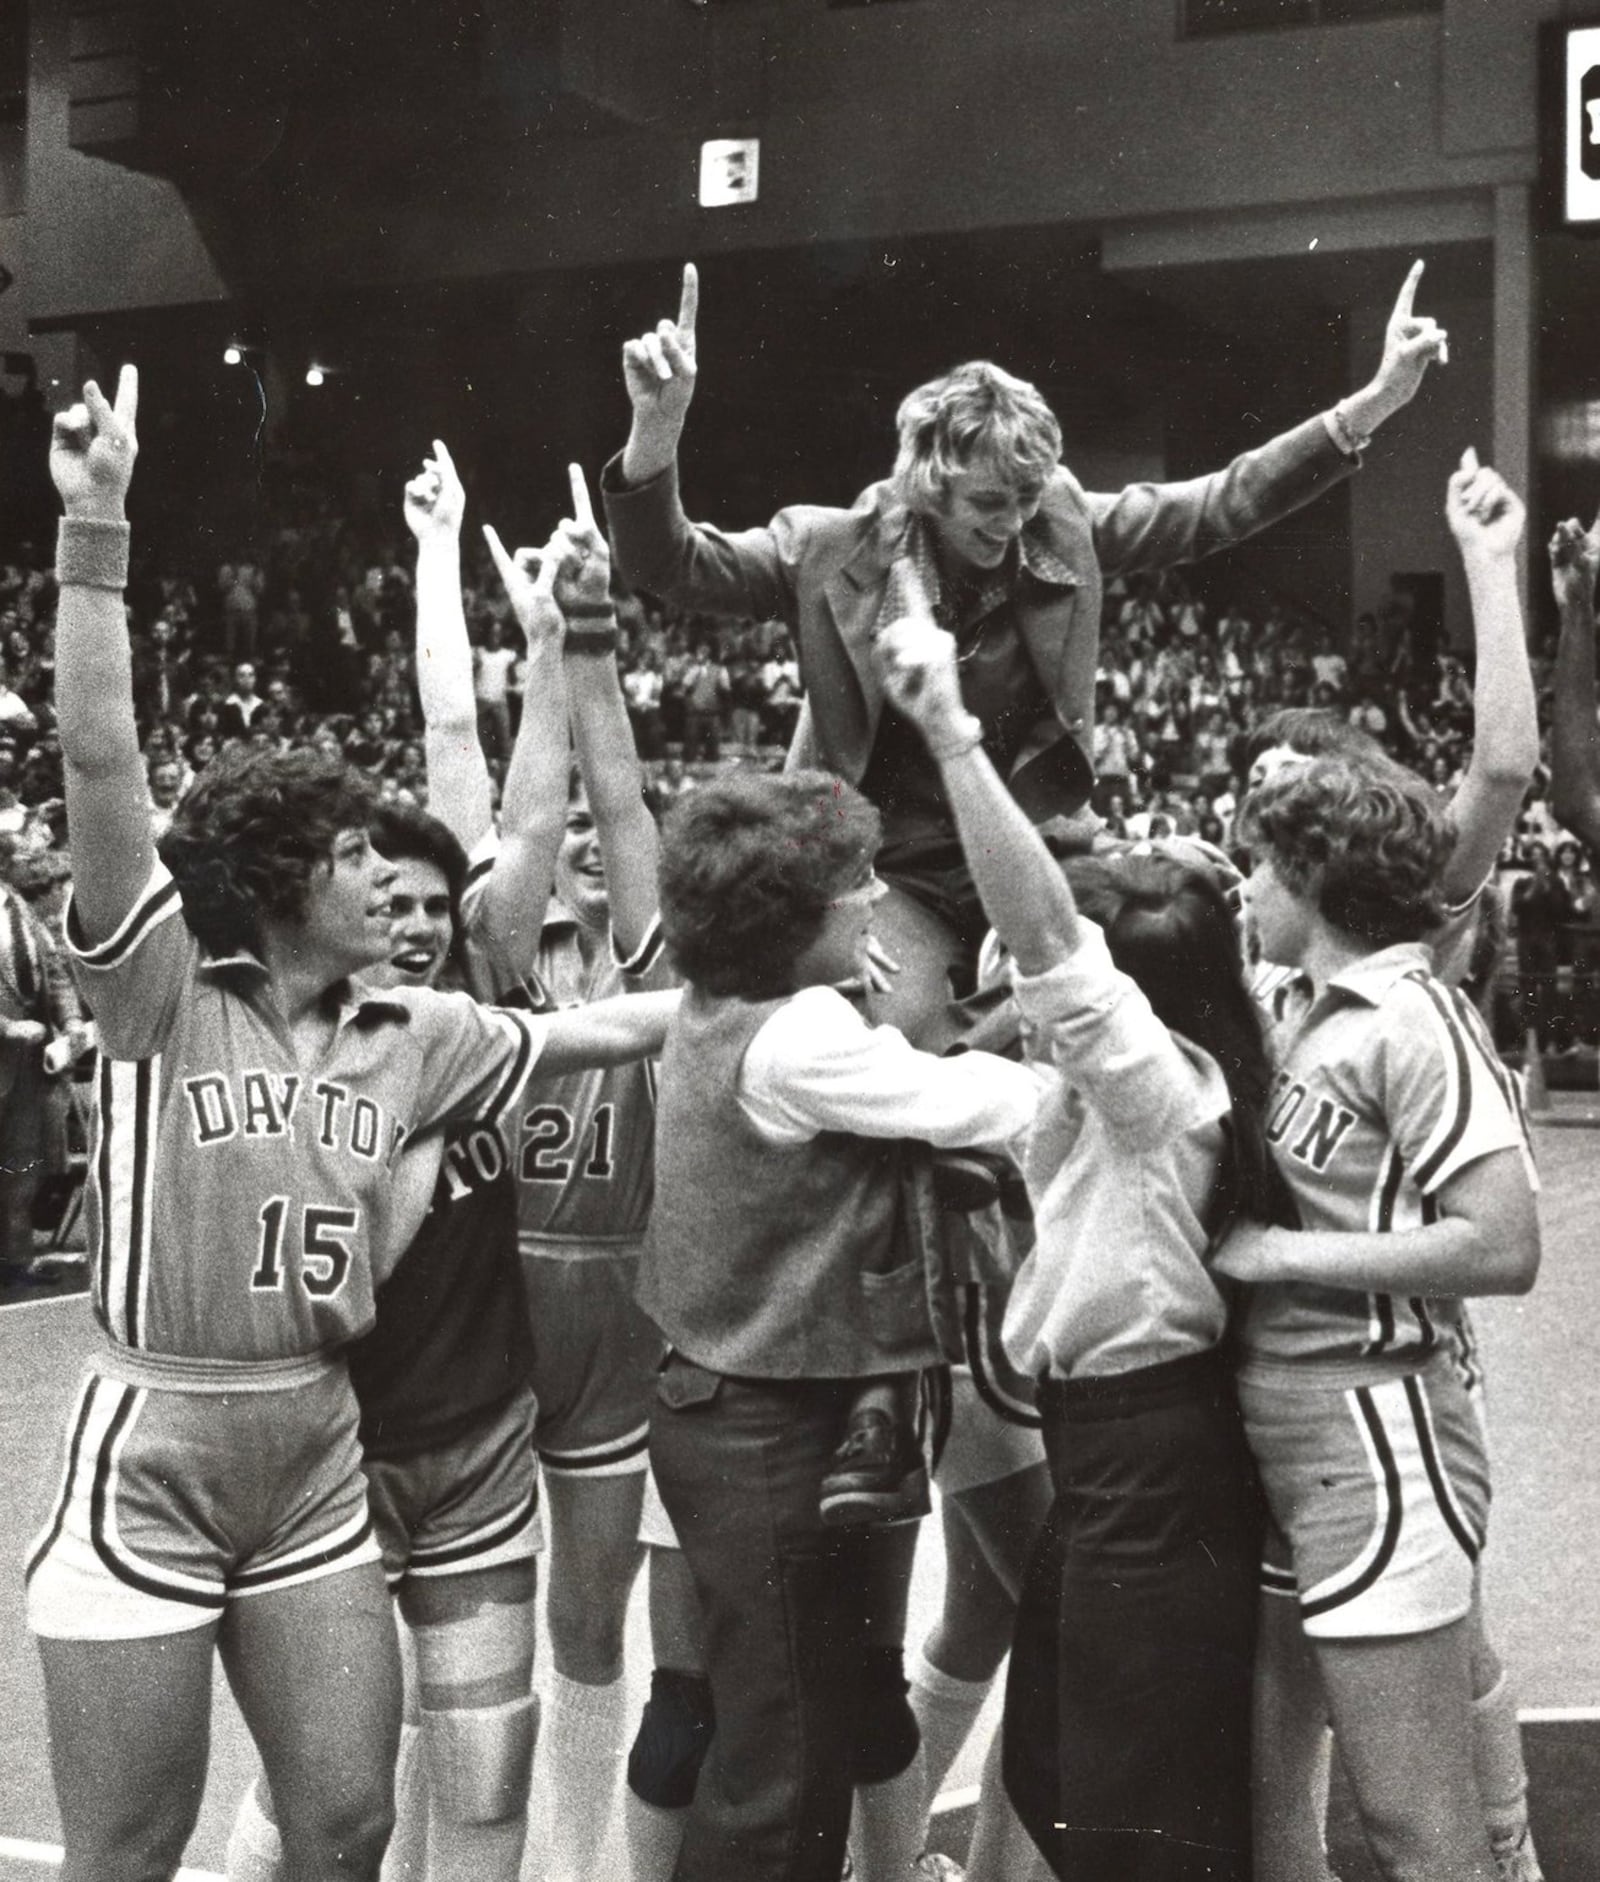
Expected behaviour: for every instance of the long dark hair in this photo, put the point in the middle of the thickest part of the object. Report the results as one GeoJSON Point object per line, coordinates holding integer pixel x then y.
{"type": "Point", "coordinates": [1170, 930]}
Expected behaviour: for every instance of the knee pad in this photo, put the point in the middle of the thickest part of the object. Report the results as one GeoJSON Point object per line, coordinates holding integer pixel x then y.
{"type": "Point", "coordinates": [674, 1736]}
{"type": "Point", "coordinates": [885, 1734]}
{"type": "Point", "coordinates": [480, 1759]}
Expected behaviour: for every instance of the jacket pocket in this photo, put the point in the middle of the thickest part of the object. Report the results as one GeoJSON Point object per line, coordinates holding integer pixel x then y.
{"type": "Point", "coordinates": [897, 1307]}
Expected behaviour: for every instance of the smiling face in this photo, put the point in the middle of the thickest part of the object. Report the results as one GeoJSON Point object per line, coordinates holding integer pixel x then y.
{"type": "Point", "coordinates": [421, 928]}
{"type": "Point", "coordinates": [347, 908]}
{"type": "Point", "coordinates": [983, 513]}
{"type": "Point", "coordinates": [580, 874]}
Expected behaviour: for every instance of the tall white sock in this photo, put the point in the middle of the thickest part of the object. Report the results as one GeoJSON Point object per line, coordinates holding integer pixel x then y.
{"type": "Point", "coordinates": [583, 1741]}
{"type": "Point", "coordinates": [255, 1849]}
{"type": "Point", "coordinates": [887, 1825]}
{"type": "Point", "coordinates": [406, 1858]}
{"type": "Point", "coordinates": [474, 1852]}
{"type": "Point", "coordinates": [1001, 1850]}
{"type": "Point", "coordinates": [946, 1709]}
{"type": "Point", "coordinates": [654, 1837]}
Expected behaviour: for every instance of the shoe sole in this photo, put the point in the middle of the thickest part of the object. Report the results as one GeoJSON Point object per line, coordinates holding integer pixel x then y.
{"type": "Point", "coordinates": [908, 1503]}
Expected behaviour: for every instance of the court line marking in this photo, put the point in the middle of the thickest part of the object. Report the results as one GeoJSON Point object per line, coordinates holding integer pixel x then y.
{"type": "Point", "coordinates": [51, 1300]}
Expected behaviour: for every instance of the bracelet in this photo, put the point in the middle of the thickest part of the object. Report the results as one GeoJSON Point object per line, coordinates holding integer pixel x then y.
{"type": "Point", "coordinates": [91, 553]}
{"type": "Point", "coordinates": [966, 734]}
{"type": "Point", "coordinates": [1350, 441]}
{"type": "Point", "coordinates": [591, 640]}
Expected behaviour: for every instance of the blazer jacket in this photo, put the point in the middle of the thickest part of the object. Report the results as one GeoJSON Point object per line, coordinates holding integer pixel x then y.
{"type": "Point", "coordinates": [823, 572]}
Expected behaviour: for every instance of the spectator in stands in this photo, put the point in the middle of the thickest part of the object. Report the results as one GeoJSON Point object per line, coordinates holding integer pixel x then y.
{"type": "Point", "coordinates": [1116, 752]}
{"type": "Point", "coordinates": [239, 709]}
{"type": "Point", "coordinates": [36, 1001]}
{"type": "Point", "coordinates": [780, 689]}
{"type": "Point", "coordinates": [160, 674]}
{"type": "Point", "coordinates": [707, 689]}
{"type": "Point", "coordinates": [166, 786]}
{"type": "Point", "coordinates": [641, 687]}
{"type": "Point", "coordinates": [12, 811]}
{"type": "Point", "coordinates": [15, 715]}
{"type": "Point", "coordinates": [491, 675]}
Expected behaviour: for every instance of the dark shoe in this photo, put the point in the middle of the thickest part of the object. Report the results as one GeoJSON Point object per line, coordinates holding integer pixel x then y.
{"type": "Point", "coordinates": [877, 1475]}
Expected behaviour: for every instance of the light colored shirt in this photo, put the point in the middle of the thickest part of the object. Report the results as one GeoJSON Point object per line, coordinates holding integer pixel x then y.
{"type": "Point", "coordinates": [492, 667]}
{"type": "Point", "coordinates": [1120, 1166]}
{"type": "Point", "coordinates": [816, 1065]}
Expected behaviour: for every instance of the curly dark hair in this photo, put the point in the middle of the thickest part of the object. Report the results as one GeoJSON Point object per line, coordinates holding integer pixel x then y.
{"type": "Point", "coordinates": [246, 840]}
{"type": "Point", "coordinates": [1369, 847]}
{"type": "Point", "coordinates": [749, 863]}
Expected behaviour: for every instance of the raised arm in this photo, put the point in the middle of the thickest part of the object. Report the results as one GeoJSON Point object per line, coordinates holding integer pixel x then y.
{"type": "Point", "coordinates": [601, 731]}
{"type": "Point", "coordinates": [458, 778]}
{"type": "Point", "coordinates": [659, 370]}
{"type": "Point", "coordinates": [746, 572]}
{"type": "Point", "coordinates": [533, 803]}
{"type": "Point", "coordinates": [1485, 1242]}
{"type": "Point", "coordinates": [92, 451]}
{"type": "Point", "coordinates": [1575, 786]}
{"type": "Point", "coordinates": [1411, 344]}
{"type": "Point", "coordinates": [1486, 518]}
{"type": "Point", "coordinates": [1150, 526]}
{"type": "Point", "coordinates": [1024, 893]}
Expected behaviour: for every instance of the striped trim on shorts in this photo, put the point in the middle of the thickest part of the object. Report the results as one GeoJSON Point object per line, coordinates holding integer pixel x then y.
{"type": "Point", "coordinates": [175, 1499]}
{"type": "Point", "coordinates": [1380, 1499]}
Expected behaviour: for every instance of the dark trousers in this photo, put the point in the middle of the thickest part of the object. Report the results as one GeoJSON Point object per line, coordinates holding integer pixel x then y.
{"type": "Point", "coordinates": [1127, 1715]}
{"type": "Point", "coordinates": [796, 1619]}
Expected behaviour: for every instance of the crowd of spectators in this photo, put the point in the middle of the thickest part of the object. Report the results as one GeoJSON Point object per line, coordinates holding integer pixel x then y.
{"type": "Point", "coordinates": [312, 641]}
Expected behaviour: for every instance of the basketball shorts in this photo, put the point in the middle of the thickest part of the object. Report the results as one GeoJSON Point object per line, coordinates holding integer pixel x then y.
{"type": "Point", "coordinates": [469, 1504]}
{"type": "Point", "coordinates": [655, 1525]}
{"type": "Point", "coordinates": [983, 1445]}
{"type": "Point", "coordinates": [1379, 1496]}
{"type": "Point", "coordinates": [187, 1485]}
{"type": "Point", "coordinates": [595, 1356]}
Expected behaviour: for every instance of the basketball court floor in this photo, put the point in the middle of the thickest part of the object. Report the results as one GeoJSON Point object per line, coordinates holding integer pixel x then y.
{"type": "Point", "coordinates": [1544, 1578]}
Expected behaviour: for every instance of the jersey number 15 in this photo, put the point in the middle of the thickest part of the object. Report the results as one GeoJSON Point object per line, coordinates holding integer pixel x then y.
{"type": "Point", "coordinates": [325, 1252]}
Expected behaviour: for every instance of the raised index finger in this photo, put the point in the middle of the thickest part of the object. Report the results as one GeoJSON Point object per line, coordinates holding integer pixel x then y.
{"type": "Point", "coordinates": [126, 405]}
{"type": "Point", "coordinates": [1407, 297]}
{"type": "Point", "coordinates": [689, 300]}
{"type": "Point", "coordinates": [502, 561]}
{"type": "Point", "coordinates": [582, 508]}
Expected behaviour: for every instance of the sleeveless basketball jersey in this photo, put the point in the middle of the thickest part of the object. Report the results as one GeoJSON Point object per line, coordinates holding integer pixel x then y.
{"type": "Point", "coordinates": [238, 1201]}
